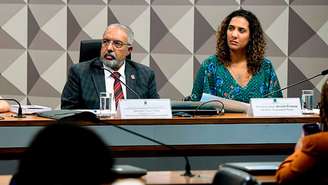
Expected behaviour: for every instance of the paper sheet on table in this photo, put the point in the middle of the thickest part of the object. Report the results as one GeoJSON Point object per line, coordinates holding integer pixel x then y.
{"type": "Point", "coordinates": [229, 105]}
{"type": "Point", "coordinates": [30, 109]}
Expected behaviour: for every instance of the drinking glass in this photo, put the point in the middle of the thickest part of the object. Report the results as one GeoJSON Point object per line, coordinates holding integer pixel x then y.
{"type": "Point", "coordinates": [307, 99]}
{"type": "Point", "coordinates": [105, 103]}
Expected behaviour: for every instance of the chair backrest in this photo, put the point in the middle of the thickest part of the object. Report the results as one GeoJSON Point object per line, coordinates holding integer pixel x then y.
{"type": "Point", "coordinates": [232, 176]}
{"type": "Point", "coordinates": [90, 49]}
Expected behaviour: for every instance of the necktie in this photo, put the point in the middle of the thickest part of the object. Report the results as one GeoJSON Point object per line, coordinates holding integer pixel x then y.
{"type": "Point", "coordinates": [118, 92]}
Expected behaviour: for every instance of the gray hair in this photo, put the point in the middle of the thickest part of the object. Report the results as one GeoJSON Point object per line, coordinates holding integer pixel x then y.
{"type": "Point", "coordinates": [125, 28]}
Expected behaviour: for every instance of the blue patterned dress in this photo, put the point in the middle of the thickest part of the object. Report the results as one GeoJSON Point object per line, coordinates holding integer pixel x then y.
{"type": "Point", "coordinates": [214, 78]}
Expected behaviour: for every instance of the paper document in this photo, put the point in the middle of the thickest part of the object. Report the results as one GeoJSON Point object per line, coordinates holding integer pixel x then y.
{"type": "Point", "coordinates": [229, 105]}
{"type": "Point", "coordinates": [30, 109]}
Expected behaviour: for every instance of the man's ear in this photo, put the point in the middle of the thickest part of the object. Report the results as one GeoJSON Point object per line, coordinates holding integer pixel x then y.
{"type": "Point", "coordinates": [130, 49]}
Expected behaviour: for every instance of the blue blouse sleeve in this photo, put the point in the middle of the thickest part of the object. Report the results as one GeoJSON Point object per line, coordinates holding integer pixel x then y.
{"type": "Point", "coordinates": [198, 85]}
{"type": "Point", "coordinates": [274, 84]}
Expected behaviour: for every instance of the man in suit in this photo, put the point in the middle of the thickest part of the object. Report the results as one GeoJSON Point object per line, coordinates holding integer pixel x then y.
{"type": "Point", "coordinates": [87, 79]}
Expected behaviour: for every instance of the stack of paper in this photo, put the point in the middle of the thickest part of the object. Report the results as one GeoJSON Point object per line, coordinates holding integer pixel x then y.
{"type": "Point", "coordinates": [229, 105]}
{"type": "Point", "coordinates": [30, 109]}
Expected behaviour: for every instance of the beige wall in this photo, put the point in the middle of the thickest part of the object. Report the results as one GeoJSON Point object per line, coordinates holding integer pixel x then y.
{"type": "Point", "coordinates": [39, 40]}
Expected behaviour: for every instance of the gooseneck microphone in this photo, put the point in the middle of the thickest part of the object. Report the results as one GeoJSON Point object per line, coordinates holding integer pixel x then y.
{"type": "Point", "coordinates": [19, 111]}
{"type": "Point", "coordinates": [323, 73]}
{"type": "Point", "coordinates": [187, 166]}
{"type": "Point", "coordinates": [99, 66]}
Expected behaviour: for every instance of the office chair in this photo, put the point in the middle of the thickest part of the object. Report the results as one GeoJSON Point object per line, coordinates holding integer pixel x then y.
{"type": "Point", "coordinates": [231, 176]}
{"type": "Point", "coordinates": [90, 49]}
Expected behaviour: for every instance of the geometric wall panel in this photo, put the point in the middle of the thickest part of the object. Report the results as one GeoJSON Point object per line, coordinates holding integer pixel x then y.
{"type": "Point", "coordinates": [294, 76]}
{"type": "Point", "coordinates": [40, 39]}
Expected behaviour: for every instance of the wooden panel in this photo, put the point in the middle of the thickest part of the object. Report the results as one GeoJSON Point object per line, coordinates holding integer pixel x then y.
{"type": "Point", "coordinates": [202, 177]}
{"type": "Point", "coordinates": [228, 118]}
{"type": "Point", "coordinates": [181, 150]}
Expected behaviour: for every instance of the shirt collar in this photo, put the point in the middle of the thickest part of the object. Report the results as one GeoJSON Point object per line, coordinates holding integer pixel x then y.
{"type": "Point", "coordinates": [121, 70]}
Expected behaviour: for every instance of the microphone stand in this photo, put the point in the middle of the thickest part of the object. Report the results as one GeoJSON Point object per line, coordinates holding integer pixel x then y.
{"type": "Point", "coordinates": [19, 111]}
{"type": "Point", "coordinates": [187, 167]}
{"type": "Point", "coordinates": [322, 73]}
{"type": "Point", "coordinates": [121, 82]}
{"type": "Point", "coordinates": [187, 172]}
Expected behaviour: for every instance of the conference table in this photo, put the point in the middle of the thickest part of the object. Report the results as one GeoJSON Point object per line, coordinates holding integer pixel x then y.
{"type": "Point", "coordinates": [188, 145]}
{"type": "Point", "coordinates": [211, 138]}
{"type": "Point", "coordinates": [227, 118]}
{"type": "Point", "coordinates": [202, 177]}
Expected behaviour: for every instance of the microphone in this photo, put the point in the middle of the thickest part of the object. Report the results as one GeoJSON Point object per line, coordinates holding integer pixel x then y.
{"type": "Point", "coordinates": [323, 73]}
{"type": "Point", "coordinates": [19, 111]}
{"type": "Point", "coordinates": [187, 98]}
{"type": "Point", "coordinates": [187, 166]}
{"type": "Point", "coordinates": [99, 66]}
{"type": "Point", "coordinates": [187, 172]}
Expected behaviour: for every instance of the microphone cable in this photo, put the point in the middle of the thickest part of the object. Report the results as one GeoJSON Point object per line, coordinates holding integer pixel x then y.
{"type": "Point", "coordinates": [323, 73]}
{"type": "Point", "coordinates": [187, 172]}
{"type": "Point", "coordinates": [100, 67]}
{"type": "Point", "coordinates": [187, 166]}
{"type": "Point", "coordinates": [219, 111]}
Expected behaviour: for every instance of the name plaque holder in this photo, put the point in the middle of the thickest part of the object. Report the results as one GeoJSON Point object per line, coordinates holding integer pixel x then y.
{"type": "Point", "coordinates": [144, 109]}
{"type": "Point", "coordinates": [275, 107]}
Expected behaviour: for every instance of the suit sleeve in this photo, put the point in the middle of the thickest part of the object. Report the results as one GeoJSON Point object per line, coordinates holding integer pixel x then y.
{"type": "Point", "coordinates": [152, 86]}
{"type": "Point", "coordinates": [70, 98]}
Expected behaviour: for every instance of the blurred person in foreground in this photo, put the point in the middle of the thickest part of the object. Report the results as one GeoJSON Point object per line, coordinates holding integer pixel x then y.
{"type": "Point", "coordinates": [238, 70]}
{"type": "Point", "coordinates": [4, 106]}
{"type": "Point", "coordinates": [65, 154]}
{"type": "Point", "coordinates": [309, 162]}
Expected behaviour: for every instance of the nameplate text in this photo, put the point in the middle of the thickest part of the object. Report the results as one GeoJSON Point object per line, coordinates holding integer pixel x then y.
{"type": "Point", "coordinates": [275, 107]}
{"type": "Point", "coordinates": [144, 109]}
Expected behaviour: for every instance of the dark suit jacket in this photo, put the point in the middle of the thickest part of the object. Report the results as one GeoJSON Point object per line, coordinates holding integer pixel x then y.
{"type": "Point", "coordinates": [86, 80]}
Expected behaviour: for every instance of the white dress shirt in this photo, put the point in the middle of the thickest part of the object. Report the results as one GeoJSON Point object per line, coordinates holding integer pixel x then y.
{"type": "Point", "coordinates": [109, 81]}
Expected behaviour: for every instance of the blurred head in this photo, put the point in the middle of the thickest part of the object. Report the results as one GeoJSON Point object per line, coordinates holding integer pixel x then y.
{"type": "Point", "coordinates": [116, 45]}
{"type": "Point", "coordinates": [4, 106]}
{"type": "Point", "coordinates": [63, 154]}
{"type": "Point", "coordinates": [241, 31]}
{"type": "Point", "coordinates": [324, 106]}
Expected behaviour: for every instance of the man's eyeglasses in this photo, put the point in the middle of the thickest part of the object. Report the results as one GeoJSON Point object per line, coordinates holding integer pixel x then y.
{"type": "Point", "coordinates": [116, 43]}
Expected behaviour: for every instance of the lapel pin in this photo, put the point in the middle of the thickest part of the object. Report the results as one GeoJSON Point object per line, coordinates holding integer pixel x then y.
{"type": "Point", "coordinates": [133, 77]}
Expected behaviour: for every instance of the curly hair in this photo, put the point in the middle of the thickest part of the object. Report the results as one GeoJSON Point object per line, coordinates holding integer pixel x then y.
{"type": "Point", "coordinates": [324, 106]}
{"type": "Point", "coordinates": [255, 47]}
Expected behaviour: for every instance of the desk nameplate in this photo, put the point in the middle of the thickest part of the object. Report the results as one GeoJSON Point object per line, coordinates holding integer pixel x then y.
{"type": "Point", "coordinates": [144, 108]}
{"type": "Point", "coordinates": [275, 107]}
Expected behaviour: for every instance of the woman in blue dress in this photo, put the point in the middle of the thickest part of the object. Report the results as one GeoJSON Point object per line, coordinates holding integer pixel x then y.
{"type": "Point", "coordinates": [238, 70]}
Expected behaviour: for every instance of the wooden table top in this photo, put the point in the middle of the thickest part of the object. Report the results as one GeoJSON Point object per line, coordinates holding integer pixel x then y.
{"type": "Point", "coordinates": [227, 118]}
{"type": "Point", "coordinates": [202, 177]}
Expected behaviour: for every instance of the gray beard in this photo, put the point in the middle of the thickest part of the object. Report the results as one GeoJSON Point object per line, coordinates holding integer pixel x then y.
{"type": "Point", "coordinates": [114, 64]}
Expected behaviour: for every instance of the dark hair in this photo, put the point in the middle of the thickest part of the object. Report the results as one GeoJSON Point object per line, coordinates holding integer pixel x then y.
{"type": "Point", "coordinates": [255, 47]}
{"type": "Point", "coordinates": [65, 153]}
{"type": "Point", "coordinates": [324, 106]}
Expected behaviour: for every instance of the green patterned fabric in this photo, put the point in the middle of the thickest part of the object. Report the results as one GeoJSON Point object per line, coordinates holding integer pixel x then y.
{"type": "Point", "coordinates": [214, 78]}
